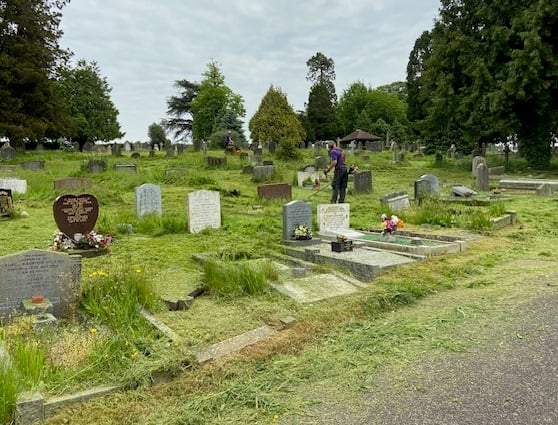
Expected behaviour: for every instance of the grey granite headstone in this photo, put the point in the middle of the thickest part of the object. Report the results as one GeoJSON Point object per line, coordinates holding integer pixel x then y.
{"type": "Point", "coordinates": [73, 183]}
{"type": "Point", "coordinates": [296, 213]}
{"type": "Point", "coordinates": [6, 202]}
{"type": "Point", "coordinates": [148, 200]}
{"type": "Point", "coordinates": [263, 173]}
{"type": "Point", "coordinates": [130, 168]}
{"type": "Point", "coordinates": [396, 201]}
{"type": "Point", "coordinates": [204, 210]}
{"type": "Point", "coordinates": [54, 275]}
{"type": "Point", "coordinates": [88, 146]}
{"type": "Point", "coordinates": [545, 190]}
{"type": "Point", "coordinates": [363, 182]}
{"type": "Point", "coordinates": [7, 153]}
{"type": "Point", "coordinates": [248, 169]}
{"type": "Point", "coordinates": [321, 162]}
{"type": "Point", "coordinates": [96, 165]}
{"type": "Point", "coordinates": [482, 176]}
{"type": "Point", "coordinates": [427, 184]}
{"type": "Point", "coordinates": [14, 184]}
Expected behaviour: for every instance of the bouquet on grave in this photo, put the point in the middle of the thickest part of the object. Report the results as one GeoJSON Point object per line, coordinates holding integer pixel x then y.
{"type": "Point", "coordinates": [391, 224]}
{"type": "Point", "coordinates": [87, 240]}
{"type": "Point", "coordinates": [301, 232]}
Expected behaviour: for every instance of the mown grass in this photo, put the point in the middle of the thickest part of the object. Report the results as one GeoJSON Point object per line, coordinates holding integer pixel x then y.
{"type": "Point", "coordinates": [116, 343]}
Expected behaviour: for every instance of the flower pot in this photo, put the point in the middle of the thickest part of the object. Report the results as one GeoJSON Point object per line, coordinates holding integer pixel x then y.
{"type": "Point", "coordinates": [37, 299]}
{"type": "Point", "coordinates": [342, 246]}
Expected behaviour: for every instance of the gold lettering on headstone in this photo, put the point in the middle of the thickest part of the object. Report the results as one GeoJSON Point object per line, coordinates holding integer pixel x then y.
{"type": "Point", "coordinates": [77, 209]}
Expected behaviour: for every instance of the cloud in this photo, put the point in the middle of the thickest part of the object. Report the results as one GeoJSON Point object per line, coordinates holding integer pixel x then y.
{"type": "Point", "coordinates": [142, 47]}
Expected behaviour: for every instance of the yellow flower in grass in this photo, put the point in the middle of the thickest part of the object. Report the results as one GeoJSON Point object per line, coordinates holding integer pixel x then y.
{"type": "Point", "coordinates": [138, 271]}
{"type": "Point", "coordinates": [93, 330]}
{"type": "Point", "coordinates": [134, 354]}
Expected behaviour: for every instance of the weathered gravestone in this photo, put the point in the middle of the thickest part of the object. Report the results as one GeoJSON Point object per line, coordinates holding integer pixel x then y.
{"type": "Point", "coordinates": [476, 161]}
{"type": "Point", "coordinates": [75, 214]}
{"type": "Point", "coordinates": [14, 184]}
{"type": "Point", "coordinates": [296, 213]}
{"type": "Point", "coordinates": [396, 201]}
{"type": "Point", "coordinates": [6, 202]}
{"type": "Point", "coordinates": [7, 153]}
{"type": "Point", "coordinates": [213, 161]}
{"type": "Point", "coordinates": [482, 176]}
{"type": "Point", "coordinates": [96, 165]}
{"type": "Point", "coordinates": [33, 165]}
{"type": "Point", "coordinates": [54, 275]}
{"type": "Point", "coordinates": [463, 191]}
{"type": "Point", "coordinates": [175, 171]}
{"type": "Point", "coordinates": [272, 147]}
{"type": "Point", "coordinates": [362, 182]}
{"type": "Point", "coordinates": [427, 184]}
{"type": "Point", "coordinates": [179, 149]}
{"type": "Point", "coordinates": [7, 169]}
{"type": "Point", "coordinates": [303, 176]}
{"type": "Point", "coordinates": [333, 217]}
{"type": "Point", "coordinates": [148, 200]}
{"type": "Point", "coordinates": [248, 169]}
{"type": "Point", "coordinates": [263, 173]}
{"type": "Point", "coordinates": [321, 162]}
{"type": "Point", "coordinates": [88, 146]}
{"type": "Point", "coordinates": [73, 183]}
{"type": "Point", "coordinates": [130, 168]}
{"type": "Point", "coordinates": [135, 155]}
{"type": "Point", "coordinates": [275, 191]}
{"type": "Point", "coordinates": [204, 210]}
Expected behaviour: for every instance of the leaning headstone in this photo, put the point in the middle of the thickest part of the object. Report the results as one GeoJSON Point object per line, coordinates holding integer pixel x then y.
{"type": "Point", "coordinates": [321, 162]}
{"type": "Point", "coordinates": [54, 275]}
{"type": "Point", "coordinates": [204, 210]}
{"type": "Point", "coordinates": [96, 165]}
{"type": "Point", "coordinates": [463, 191]}
{"type": "Point", "coordinates": [73, 183]}
{"type": "Point", "coordinates": [482, 177]}
{"type": "Point", "coordinates": [263, 173]}
{"type": "Point", "coordinates": [75, 214]}
{"type": "Point", "coordinates": [396, 201]}
{"type": "Point", "coordinates": [476, 161]}
{"type": "Point", "coordinates": [427, 184]}
{"type": "Point", "coordinates": [7, 153]}
{"type": "Point", "coordinates": [148, 200]}
{"type": "Point", "coordinates": [33, 165]}
{"type": "Point", "coordinates": [14, 184]}
{"type": "Point", "coordinates": [130, 168]}
{"type": "Point", "coordinates": [296, 213]}
{"type": "Point", "coordinates": [275, 191]}
{"type": "Point", "coordinates": [333, 217]}
{"type": "Point", "coordinates": [6, 202]}
{"type": "Point", "coordinates": [362, 182]}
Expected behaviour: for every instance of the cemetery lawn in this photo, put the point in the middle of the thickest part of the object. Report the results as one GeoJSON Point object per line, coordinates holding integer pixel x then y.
{"type": "Point", "coordinates": [336, 349]}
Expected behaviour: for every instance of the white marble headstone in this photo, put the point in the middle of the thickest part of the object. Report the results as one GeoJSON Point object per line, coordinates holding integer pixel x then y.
{"type": "Point", "coordinates": [204, 210]}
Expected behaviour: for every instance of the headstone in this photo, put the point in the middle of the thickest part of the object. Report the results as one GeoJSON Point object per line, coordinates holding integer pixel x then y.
{"type": "Point", "coordinates": [148, 200]}
{"type": "Point", "coordinates": [170, 153]}
{"type": "Point", "coordinates": [263, 173]}
{"type": "Point", "coordinates": [75, 145]}
{"type": "Point", "coordinates": [362, 182]}
{"type": "Point", "coordinates": [545, 190]}
{"type": "Point", "coordinates": [451, 151]}
{"type": "Point", "coordinates": [427, 184]}
{"type": "Point", "coordinates": [14, 184]}
{"type": "Point", "coordinates": [129, 168]}
{"type": "Point", "coordinates": [396, 201]}
{"type": "Point", "coordinates": [96, 165]}
{"type": "Point", "coordinates": [248, 169]}
{"type": "Point", "coordinates": [75, 213]}
{"type": "Point", "coordinates": [476, 161]}
{"type": "Point", "coordinates": [6, 202]}
{"type": "Point", "coordinates": [374, 146]}
{"type": "Point", "coordinates": [116, 150]}
{"type": "Point", "coordinates": [321, 162]}
{"type": "Point", "coordinates": [7, 169]}
{"type": "Point", "coordinates": [394, 148]}
{"type": "Point", "coordinates": [463, 191]}
{"type": "Point", "coordinates": [213, 161]}
{"type": "Point", "coordinates": [7, 153]}
{"type": "Point", "coordinates": [294, 214]}
{"type": "Point", "coordinates": [204, 210]}
{"type": "Point", "coordinates": [40, 147]}
{"type": "Point", "coordinates": [33, 165]}
{"type": "Point", "coordinates": [175, 171]}
{"type": "Point", "coordinates": [333, 217]}
{"type": "Point", "coordinates": [482, 177]}
{"type": "Point", "coordinates": [496, 171]}
{"type": "Point", "coordinates": [127, 146]}
{"type": "Point", "coordinates": [275, 191]}
{"type": "Point", "coordinates": [88, 146]}
{"type": "Point", "coordinates": [267, 162]}
{"type": "Point", "coordinates": [272, 147]}
{"type": "Point", "coordinates": [302, 176]}
{"type": "Point", "coordinates": [136, 155]}
{"type": "Point", "coordinates": [258, 155]}
{"type": "Point", "coordinates": [180, 149]}
{"type": "Point", "coordinates": [54, 275]}
{"type": "Point", "coordinates": [318, 148]}
{"type": "Point", "coordinates": [73, 183]}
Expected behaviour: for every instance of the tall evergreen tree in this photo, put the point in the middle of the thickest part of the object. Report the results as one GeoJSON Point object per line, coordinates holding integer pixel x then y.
{"type": "Point", "coordinates": [30, 105]}
{"type": "Point", "coordinates": [179, 109]}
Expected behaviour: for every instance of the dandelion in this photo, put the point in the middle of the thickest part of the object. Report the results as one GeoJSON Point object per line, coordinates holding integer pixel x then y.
{"type": "Point", "coordinates": [138, 270]}
{"type": "Point", "coordinates": [275, 417]}
{"type": "Point", "coordinates": [93, 330]}
{"type": "Point", "coordinates": [175, 343]}
{"type": "Point", "coordinates": [134, 354]}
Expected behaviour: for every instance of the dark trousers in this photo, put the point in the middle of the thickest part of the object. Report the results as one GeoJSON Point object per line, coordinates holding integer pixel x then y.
{"type": "Point", "coordinates": [339, 186]}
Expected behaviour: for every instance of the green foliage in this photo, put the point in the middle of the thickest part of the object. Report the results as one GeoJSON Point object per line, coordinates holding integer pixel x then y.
{"type": "Point", "coordinates": [321, 111]}
{"type": "Point", "coordinates": [180, 109]}
{"type": "Point", "coordinates": [88, 97]}
{"type": "Point", "coordinates": [157, 136]}
{"type": "Point", "coordinates": [30, 104]}
{"type": "Point", "coordinates": [230, 280]}
{"type": "Point", "coordinates": [275, 120]}
{"type": "Point", "coordinates": [152, 224]}
{"type": "Point", "coordinates": [28, 359]}
{"type": "Point", "coordinates": [9, 387]}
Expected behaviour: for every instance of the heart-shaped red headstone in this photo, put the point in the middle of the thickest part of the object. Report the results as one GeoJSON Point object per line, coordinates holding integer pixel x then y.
{"type": "Point", "coordinates": [75, 213]}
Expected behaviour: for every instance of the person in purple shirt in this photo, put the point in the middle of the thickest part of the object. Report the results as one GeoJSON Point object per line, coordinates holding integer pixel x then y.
{"type": "Point", "coordinates": [340, 175]}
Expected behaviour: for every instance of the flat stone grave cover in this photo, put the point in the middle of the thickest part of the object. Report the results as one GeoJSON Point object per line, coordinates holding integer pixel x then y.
{"type": "Point", "coordinates": [75, 214]}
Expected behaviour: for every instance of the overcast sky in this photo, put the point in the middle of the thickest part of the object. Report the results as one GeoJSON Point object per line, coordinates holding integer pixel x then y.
{"type": "Point", "coordinates": [143, 46]}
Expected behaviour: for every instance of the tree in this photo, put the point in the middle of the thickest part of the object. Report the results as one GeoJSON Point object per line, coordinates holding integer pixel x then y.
{"type": "Point", "coordinates": [275, 120]}
{"type": "Point", "coordinates": [491, 73]}
{"type": "Point", "coordinates": [179, 108]}
{"type": "Point", "coordinates": [322, 99]}
{"type": "Point", "coordinates": [30, 105]}
{"type": "Point", "coordinates": [212, 101]}
{"type": "Point", "coordinates": [88, 95]}
{"type": "Point", "coordinates": [157, 136]}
